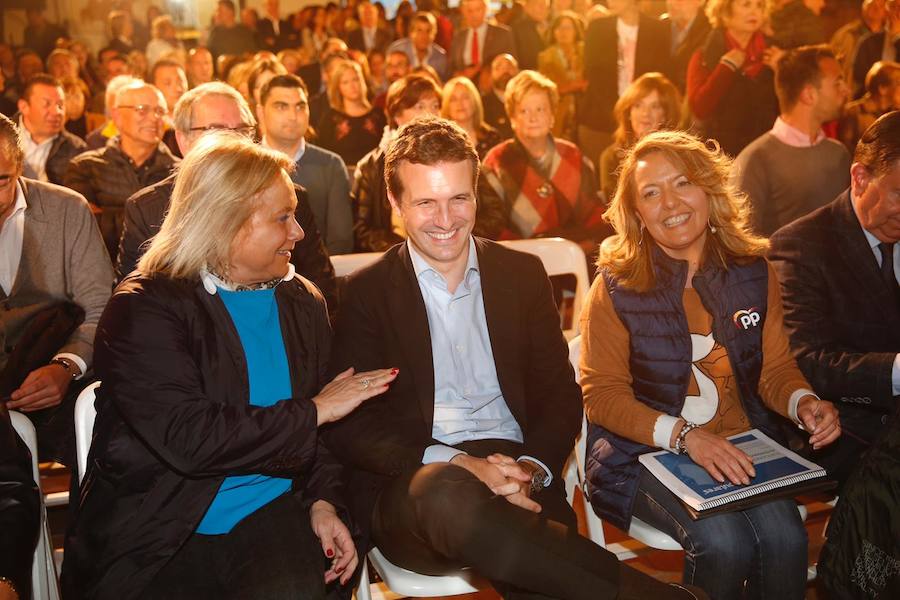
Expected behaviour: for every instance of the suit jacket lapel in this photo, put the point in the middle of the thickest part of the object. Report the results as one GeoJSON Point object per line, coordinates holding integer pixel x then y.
{"type": "Point", "coordinates": [858, 255]}
{"type": "Point", "coordinates": [502, 311]}
{"type": "Point", "coordinates": [410, 322]}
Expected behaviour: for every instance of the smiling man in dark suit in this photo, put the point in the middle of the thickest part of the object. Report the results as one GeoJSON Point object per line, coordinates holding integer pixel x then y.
{"type": "Point", "coordinates": [461, 462]}
{"type": "Point", "coordinates": [839, 269]}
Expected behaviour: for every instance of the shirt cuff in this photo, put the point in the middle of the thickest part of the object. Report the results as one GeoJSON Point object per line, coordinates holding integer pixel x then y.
{"type": "Point", "coordinates": [662, 431]}
{"type": "Point", "coordinates": [439, 453]}
{"type": "Point", "coordinates": [75, 359]}
{"type": "Point", "coordinates": [549, 476]}
{"type": "Point", "coordinates": [794, 401]}
{"type": "Point", "coordinates": [895, 376]}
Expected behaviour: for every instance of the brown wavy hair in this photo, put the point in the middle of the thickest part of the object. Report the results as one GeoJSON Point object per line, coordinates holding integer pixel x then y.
{"type": "Point", "coordinates": [639, 89]}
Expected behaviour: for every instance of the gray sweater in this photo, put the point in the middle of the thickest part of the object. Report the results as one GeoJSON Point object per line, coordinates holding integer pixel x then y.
{"type": "Point", "coordinates": [63, 259]}
{"type": "Point", "coordinates": [786, 182]}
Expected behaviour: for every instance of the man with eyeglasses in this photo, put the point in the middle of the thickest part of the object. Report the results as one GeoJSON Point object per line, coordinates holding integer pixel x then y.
{"type": "Point", "coordinates": [55, 279]}
{"type": "Point", "coordinates": [216, 106]}
{"type": "Point", "coordinates": [132, 160]}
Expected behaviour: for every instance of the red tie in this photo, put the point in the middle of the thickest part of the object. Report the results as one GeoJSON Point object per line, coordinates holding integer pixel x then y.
{"type": "Point", "coordinates": [476, 59]}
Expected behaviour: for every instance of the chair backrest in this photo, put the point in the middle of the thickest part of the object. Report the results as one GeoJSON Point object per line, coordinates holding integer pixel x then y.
{"type": "Point", "coordinates": [44, 585]}
{"type": "Point", "coordinates": [85, 413]}
{"type": "Point", "coordinates": [344, 264]}
{"type": "Point", "coordinates": [561, 257]}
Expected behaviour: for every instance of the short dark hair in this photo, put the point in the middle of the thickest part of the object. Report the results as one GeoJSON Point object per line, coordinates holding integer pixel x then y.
{"type": "Point", "coordinates": [11, 142]}
{"type": "Point", "coordinates": [428, 141]}
{"type": "Point", "coordinates": [281, 81]}
{"type": "Point", "coordinates": [879, 147]}
{"type": "Point", "coordinates": [406, 92]}
{"type": "Point", "coordinates": [161, 64]}
{"type": "Point", "coordinates": [798, 68]}
{"type": "Point", "coordinates": [39, 79]}
{"type": "Point", "coordinates": [880, 75]}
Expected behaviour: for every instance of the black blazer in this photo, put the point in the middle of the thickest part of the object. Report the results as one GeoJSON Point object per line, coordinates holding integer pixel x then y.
{"type": "Point", "coordinates": [497, 40]}
{"type": "Point", "coordinates": [383, 323]}
{"type": "Point", "coordinates": [601, 68]}
{"type": "Point", "coordinates": [265, 31]}
{"type": "Point", "coordinates": [843, 324]}
{"type": "Point", "coordinates": [693, 41]}
{"type": "Point", "coordinates": [146, 209]}
{"type": "Point", "coordinates": [173, 421]}
{"type": "Point", "coordinates": [868, 51]}
{"type": "Point", "coordinates": [20, 508]}
{"type": "Point", "coordinates": [356, 41]}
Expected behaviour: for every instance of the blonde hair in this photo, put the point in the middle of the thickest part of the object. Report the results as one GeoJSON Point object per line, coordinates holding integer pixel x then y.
{"type": "Point", "coordinates": [524, 83]}
{"type": "Point", "coordinates": [216, 192]}
{"type": "Point", "coordinates": [335, 98]}
{"type": "Point", "coordinates": [627, 255]}
{"type": "Point", "coordinates": [466, 83]}
{"type": "Point", "coordinates": [717, 10]}
{"type": "Point", "coordinates": [639, 89]}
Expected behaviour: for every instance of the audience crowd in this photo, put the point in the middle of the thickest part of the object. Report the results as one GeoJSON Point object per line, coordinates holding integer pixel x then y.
{"type": "Point", "coordinates": [727, 145]}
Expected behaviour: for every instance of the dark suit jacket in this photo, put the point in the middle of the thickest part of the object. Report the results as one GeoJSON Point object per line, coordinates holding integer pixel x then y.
{"type": "Point", "coordinates": [497, 40]}
{"type": "Point", "coordinates": [868, 52]}
{"type": "Point", "coordinates": [383, 323]}
{"type": "Point", "coordinates": [601, 70]}
{"type": "Point", "coordinates": [356, 41]}
{"type": "Point", "coordinates": [682, 54]}
{"type": "Point", "coordinates": [146, 209]}
{"type": "Point", "coordinates": [20, 508]}
{"type": "Point", "coordinates": [843, 325]}
{"type": "Point", "coordinates": [528, 42]}
{"type": "Point", "coordinates": [265, 30]}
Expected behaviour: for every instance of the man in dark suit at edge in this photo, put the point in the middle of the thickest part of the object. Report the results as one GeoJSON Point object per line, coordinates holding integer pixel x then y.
{"type": "Point", "coordinates": [839, 269]}
{"type": "Point", "coordinates": [461, 462]}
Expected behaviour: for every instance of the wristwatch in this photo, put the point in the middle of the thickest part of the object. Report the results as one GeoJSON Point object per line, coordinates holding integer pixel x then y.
{"type": "Point", "coordinates": [537, 480]}
{"type": "Point", "coordinates": [68, 365]}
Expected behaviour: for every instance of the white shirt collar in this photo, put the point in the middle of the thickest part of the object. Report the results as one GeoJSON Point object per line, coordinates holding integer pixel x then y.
{"type": "Point", "coordinates": [790, 135]}
{"type": "Point", "coordinates": [420, 265]}
{"type": "Point", "coordinates": [19, 205]}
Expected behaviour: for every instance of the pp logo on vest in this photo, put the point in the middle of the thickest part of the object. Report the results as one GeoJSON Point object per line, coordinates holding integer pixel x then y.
{"type": "Point", "coordinates": [746, 318]}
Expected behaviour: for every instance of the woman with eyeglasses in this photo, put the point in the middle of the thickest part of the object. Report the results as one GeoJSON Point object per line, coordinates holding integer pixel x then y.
{"type": "Point", "coordinates": [206, 478]}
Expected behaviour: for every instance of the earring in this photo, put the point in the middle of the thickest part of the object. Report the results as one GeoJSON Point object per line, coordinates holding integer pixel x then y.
{"type": "Point", "coordinates": [712, 228]}
{"type": "Point", "coordinates": [641, 239]}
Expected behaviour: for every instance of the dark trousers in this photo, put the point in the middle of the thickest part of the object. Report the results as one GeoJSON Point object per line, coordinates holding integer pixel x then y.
{"type": "Point", "coordinates": [440, 518]}
{"type": "Point", "coordinates": [271, 554]}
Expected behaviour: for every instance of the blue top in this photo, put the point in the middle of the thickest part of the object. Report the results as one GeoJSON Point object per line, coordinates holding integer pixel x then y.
{"type": "Point", "coordinates": [255, 316]}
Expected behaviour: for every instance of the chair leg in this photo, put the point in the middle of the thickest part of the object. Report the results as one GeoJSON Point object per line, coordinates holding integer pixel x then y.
{"type": "Point", "coordinates": [363, 591]}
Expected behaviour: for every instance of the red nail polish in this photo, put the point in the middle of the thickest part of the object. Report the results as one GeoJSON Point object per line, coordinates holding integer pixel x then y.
{"type": "Point", "coordinates": [394, 371]}
{"type": "Point", "coordinates": [329, 553]}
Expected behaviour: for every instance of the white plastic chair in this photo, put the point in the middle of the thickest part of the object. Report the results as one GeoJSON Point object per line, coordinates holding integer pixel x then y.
{"type": "Point", "coordinates": [85, 414]}
{"type": "Point", "coordinates": [561, 257]}
{"type": "Point", "coordinates": [344, 264]}
{"type": "Point", "coordinates": [44, 584]}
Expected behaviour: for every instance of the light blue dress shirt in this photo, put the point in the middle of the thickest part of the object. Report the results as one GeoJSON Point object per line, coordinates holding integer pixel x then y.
{"type": "Point", "coordinates": [468, 402]}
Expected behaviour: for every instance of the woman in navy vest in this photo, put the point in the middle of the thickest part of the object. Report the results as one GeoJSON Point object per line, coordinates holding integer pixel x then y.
{"type": "Point", "coordinates": [206, 477]}
{"type": "Point", "coordinates": [683, 345]}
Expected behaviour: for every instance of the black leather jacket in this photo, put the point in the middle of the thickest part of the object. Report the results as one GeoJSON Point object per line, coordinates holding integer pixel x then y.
{"type": "Point", "coordinates": [20, 514]}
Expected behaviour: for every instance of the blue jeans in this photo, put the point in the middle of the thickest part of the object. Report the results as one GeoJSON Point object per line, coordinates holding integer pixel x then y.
{"type": "Point", "coordinates": [764, 546]}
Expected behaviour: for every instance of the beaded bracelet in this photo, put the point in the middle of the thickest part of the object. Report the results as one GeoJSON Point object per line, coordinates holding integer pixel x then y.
{"type": "Point", "coordinates": [680, 447]}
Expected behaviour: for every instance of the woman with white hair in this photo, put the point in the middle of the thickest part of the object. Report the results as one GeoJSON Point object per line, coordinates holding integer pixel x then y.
{"type": "Point", "coordinates": [206, 478]}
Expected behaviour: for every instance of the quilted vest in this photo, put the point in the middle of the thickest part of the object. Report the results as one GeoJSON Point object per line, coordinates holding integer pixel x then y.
{"type": "Point", "coordinates": [660, 363]}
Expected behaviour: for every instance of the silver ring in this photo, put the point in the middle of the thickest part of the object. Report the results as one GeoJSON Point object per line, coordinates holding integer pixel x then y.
{"type": "Point", "coordinates": [365, 383]}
